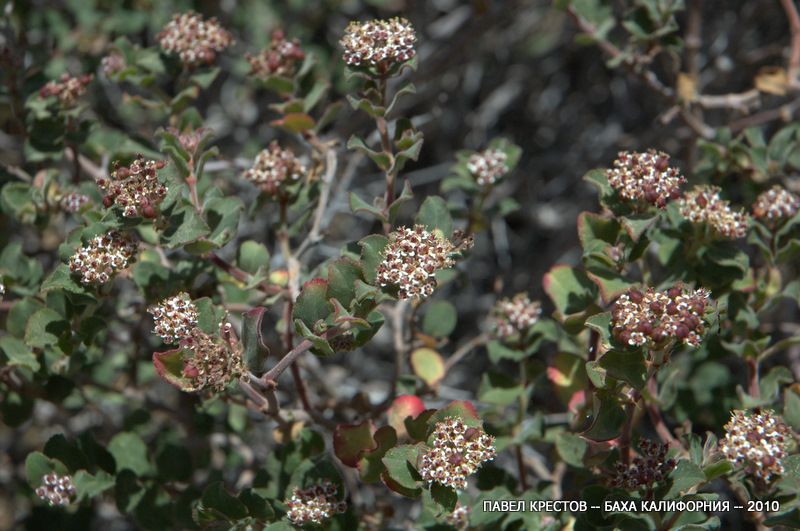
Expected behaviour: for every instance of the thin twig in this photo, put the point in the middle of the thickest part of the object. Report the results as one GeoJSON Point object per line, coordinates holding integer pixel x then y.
{"type": "Point", "coordinates": [314, 235]}
{"type": "Point", "coordinates": [793, 68]}
{"type": "Point", "coordinates": [242, 276]}
{"type": "Point", "coordinates": [464, 350]}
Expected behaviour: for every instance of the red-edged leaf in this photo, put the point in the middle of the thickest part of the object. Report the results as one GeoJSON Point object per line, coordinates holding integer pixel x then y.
{"type": "Point", "coordinates": [403, 407]}
{"type": "Point", "coordinates": [370, 465]}
{"type": "Point", "coordinates": [351, 440]}
{"type": "Point", "coordinates": [169, 365]}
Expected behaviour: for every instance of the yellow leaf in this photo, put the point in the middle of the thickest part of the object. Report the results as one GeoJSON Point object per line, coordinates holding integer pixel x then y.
{"type": "Point", "coordinates": [687, 87]}
{"type": "Point", "coordinates": [772, 80]}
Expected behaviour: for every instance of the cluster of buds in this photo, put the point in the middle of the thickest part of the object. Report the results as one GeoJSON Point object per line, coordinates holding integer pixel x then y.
{"type": "Point", "coordinates": [189, 139]}
{"type": "Point", "coordinates": [379, 43]}
{"type": "Point", "coordinates": [277, 60]}
{"type": "Point", "coordinates": [194, 40]}
{"type": "Point", "coordinates": [175, 318]}
{"type": "Point", "coordinates": [654, 317]}
{"type": "Point", "coordinates": [651, 467]}
{"type": "Point", "coordinates": [458, 451]}
{"type": "Point", "coordinates": [459, 518]}
{"type": "Point", "coordinates": [510, 317]}
{"type": "Point", "coordinates": [67, 90]}
{"type": "Point", "coordinates": [112, 64]}
{"type": "Point", "coordinates": [775, 205]}
{"type": "Point", "coordinates": [210, 362]}
{"type": "Point", "coordinates": [645, 177]}
{"type": "Point", "coordinates": [488, 166]}
{"type": "Point", "coordinates": [56, 490]}
{"type": "Point", "coordinates": [135, 188]}
{"type": "Point", "coordinates": [758, 441]}
{"type": "Point", "coordinates": [704, 205]}
{"type": "Point", "coordinates": [73, 202]}
{"type": "Point", "coordinates": [314, 505]}
{"type": "Point", "coordinates": [103, 257]}
{"type": "Point", "coordinates": [411, 259]}
{"type": "Point", "coordinates": [274, 168]}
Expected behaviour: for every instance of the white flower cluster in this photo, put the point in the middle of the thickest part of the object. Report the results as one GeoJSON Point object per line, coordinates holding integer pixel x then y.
{"type": "Point", "coordinates": [379, 42]}
{"type": "Point", "coordinates": [488, 166]}
{"type": "Point", "coordinates": [758, 441]}
{"type": "Point", "coordinates": [103, 257]}
{"type": "Point", "coordinates": [194, 40]}
{"type": "Point", "coordinates": [56, 490]}
{"type": "Point", "coordinates": [314, 505]}
{"type": "Point", "coordinates": [274, 168]}
{"type": "Point", "coordinates": [704, 205]}
{"type": "Point", "coordinates": [653, 317]}
{"type": "Point", "coordinates": [509, 317]}
{"type": "Point", "coordinates": [135, 188]}
{"type": "Point", "coordinates": [175, 318]}
{"type": "Point", "coordinates": [73, 202]}
{"type": "Point", "coordinates": [458, 451]}
{"type": "Point", "coordinates": [776, 205]}
{"type": "Point", "coordinates": [645, 177]}
{"type": "Point", "coordinates": [67, 90]}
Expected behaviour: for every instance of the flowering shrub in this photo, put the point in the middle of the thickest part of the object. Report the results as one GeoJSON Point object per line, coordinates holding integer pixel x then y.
{"type": "Point", "coordinates": [243, 286]}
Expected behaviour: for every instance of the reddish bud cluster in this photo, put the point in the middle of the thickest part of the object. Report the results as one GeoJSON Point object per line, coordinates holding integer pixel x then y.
{"type": "Point", "coordinates": [655, 317]}
{"type": "Point", "coordinates": [189, 139]}
{"type": "Point", "coordinates": [458, 451]}
{"type": "Point", "coordinates": [704, 205]}
{"type": "Point", "coordinates": [73, 202]}
{"type": "Point", "coordinates": [776, 205]}
{"type": "Point", "coordinates": [112, 64]}
{"type": "Point", "coordinates": [645, 177]}
{"type": "Point", "coordinates": [379, 42]}
{"type": "Point", "coordinates": [67, 90]}
{"type": "Point", "coordinates": [135, 188]}
{"type": "Point", "coordinates": [314, 505]}
{"type": "Point", "coordinates": [645, 471]}
{"type": "Point", "coordinates": [194, 40]}
{"type": "Point", "coordinates": [103, 257]}
{"type": "Point", "coordinates": [488, 166]}
{"type": "Point", "coordinates": [274, 168]}
{"type": "Point", "coordinates": [758, 440]}
{"type": "Point", "coordinates": [459, 518]}
{"type": "Point", "coordinates": [56, 490]}
{"type": "Point", "coordinates": [279, 59]}
{"type": "Point", "coordinates": [210, 362]}
{"type": "Point", "coordinates": [411, 259]}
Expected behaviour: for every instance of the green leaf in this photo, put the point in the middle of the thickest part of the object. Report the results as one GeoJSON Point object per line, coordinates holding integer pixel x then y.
{"type": "Point", "coordinates": [457, 408]}
{"type": "Point", "coordinates": [499, 389]}
{"type": "Point", "coordinates": [255, 348]}
{"type": "Point", "coordinates": [253, 257]}
{"type": "Point", "coordinates": [88, 486]}
{"type": "Point", "coordinates": [498, 352]}
{"type": "Point", "coordinates": [383, 160]}
{"type": "Point", "coordinates": [351, 440]}
{"type": "Point", "coordinates": [218, 502]}
{"type": "Point", "coordinates": [130, 452]}
{"type": "Point", "coordinates": [572, 448]}
{"type": "Point", "coordinates": [18, 353]}
{"type": "Point", "coordinates": [628, 367]}
{"type": "Point", "coordinates": [222, 215]}
{"type": "Point", "coordinates": [184, 226]}
{"type": "Point", "coordinates": [321, 345]}
{"type": "Point", "coordinates": [45, 328]}
{"type": "Point", "coordinates": [444, 496]}
{"type": "Point", "coordinates": [597, 232]}
{"type": "Point", "coordinates": [371, 463]}
{"type": "Point", "coordinates": [38, 465]}
{"type": "Point", "coordinates": [342, 276]}
{"type": "Point", "coordinates": [209, 315]}
{"type": "Point", "coordinates": [295, 122]}
{"type": "Point", "coordinates": [570, 289]}
{"type": "Point", "coordinates": [61, 278]}
{"type": "Point", "coordinates": [434, 215]}
{"type": "Point", "coordinates": [401, 474]}
{"type": "Point", "coordinates": [685, 476]}
{"type": "Point", "coordinates": [440, 319]}
{"type": "Point", "coordinates": [205, 79]}
{"type": "Point", "coordinates": [359, 205]}
{"type": "Point", "coordinates": [608, 418]}
{"type": "Point", "coordinates": [428, 366]}
{"type": "Point", "coordinates": [638, 225]}
{"type": "Point", "coordinates": [312, 303]}
{"type": "Point", "coordinates": [372, 255]}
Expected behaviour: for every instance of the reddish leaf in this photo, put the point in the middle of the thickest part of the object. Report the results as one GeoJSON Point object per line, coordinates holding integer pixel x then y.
{"type": "Point", "coordinates": [169, 365]}
{"type": "Point", "coordinates": [370, 465]}
{"type": "Point", "coordinates": [404, 406]}
{"type": "Point", "coordinates": [351, 440]}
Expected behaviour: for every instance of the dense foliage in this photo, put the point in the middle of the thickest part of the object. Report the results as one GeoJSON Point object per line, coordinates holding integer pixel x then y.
{"type": "Point", "coordinates": [238, 294]}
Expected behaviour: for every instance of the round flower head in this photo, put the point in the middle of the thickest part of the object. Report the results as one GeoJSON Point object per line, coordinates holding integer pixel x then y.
{"type": "Point", "coordinates": [757, 440]}
{"type": "Point", "coordinates": [513, 316]}
{"type": "Point", "coordinates": [56, 490]}
{"type": "Point", "coordinates": [646, 470]}
{"type": "Point", "coordinates": [459, 518]}
{"type": "Point", "coordinates": [67, 90]}
{"type": "Point", "coordinates": [194, 40]}
{"type": "Point", "coordinates": [210, 362]}
{"type": "Point", "coordinates": [653, 317]}
{"type": "Point", "coordinates": [645, 177]}
{"type": "Point", "coordinates": [73, 202]}
{"type": "Point", "coordinates": [703, 205]}
{"type": "Point", "coordinates": [135, 188]}
{"type": "Point", "coordinates": [279, 59]}
{"type": "Point", "coordinates": [411, 259]}
{"type": "Point", "coordinates": [103, 257]}
{"type": "Point", "coordinates": [112, 64]}
{"type": "Point", "coordinates": [488, 166]}
{"type": "Point", "coordinates": [775, 205]}
{"type": "Point", "coordinates": [274, 169]}
{"type": "Point", "coordinates": [175, 318]}
{"type": "Point", "coordinates": [457, 452]}
{"type": "Point", "coordinates": [379, 43]}
{"type": "Point", "coordinates": [314, 505]}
